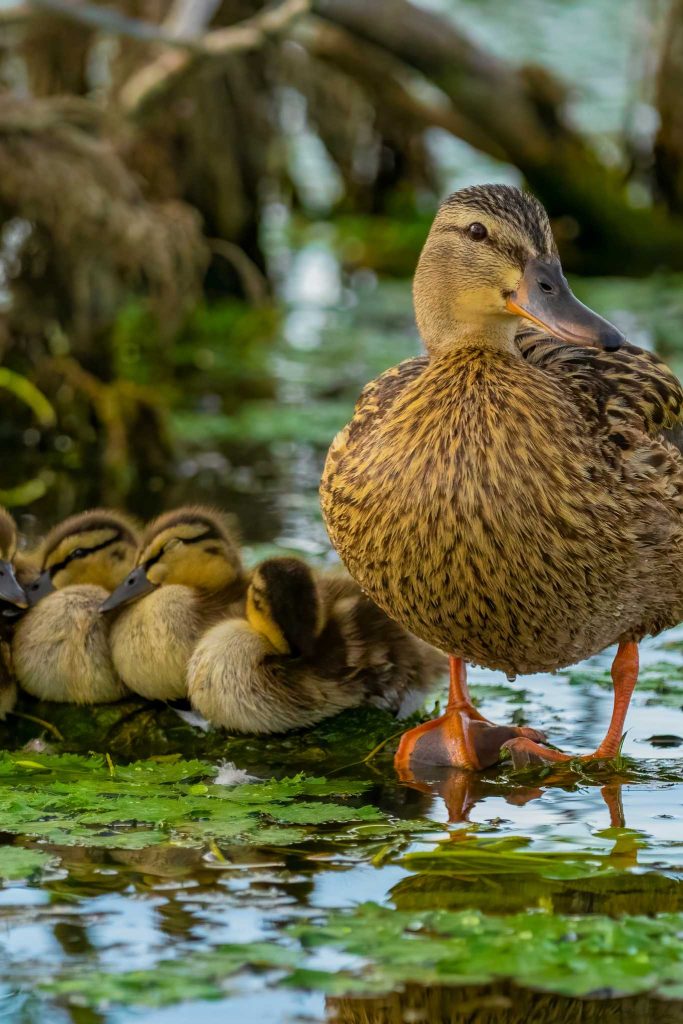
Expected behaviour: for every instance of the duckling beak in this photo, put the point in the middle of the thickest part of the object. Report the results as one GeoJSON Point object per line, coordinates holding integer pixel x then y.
{"type": "Point", "coordinates": [40, 588]}
{"type": "Point", "coordinates": [9, 588]}
{"type": "Point", "coordinates": [135, 585]}
{"type": "Point", "coordinates": [544, 297]}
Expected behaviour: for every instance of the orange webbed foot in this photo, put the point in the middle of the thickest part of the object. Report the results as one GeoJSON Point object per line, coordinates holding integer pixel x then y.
{"type": "Point", "coordinates": [461, 737]}
{"type": "Point", "coordinates": [458, 740]}
{"type": "Point", "coordinates": [524, 752]}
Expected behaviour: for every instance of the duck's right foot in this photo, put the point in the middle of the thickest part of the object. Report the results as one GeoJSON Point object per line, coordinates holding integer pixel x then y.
{"type": "Point", "coordinates": [460, 738]}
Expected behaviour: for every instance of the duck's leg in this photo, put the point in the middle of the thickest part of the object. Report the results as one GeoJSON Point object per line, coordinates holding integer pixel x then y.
{"type": "Point", "coordinates": [624, 676]}
{"type": "Point", "coordinates": [461, 737]}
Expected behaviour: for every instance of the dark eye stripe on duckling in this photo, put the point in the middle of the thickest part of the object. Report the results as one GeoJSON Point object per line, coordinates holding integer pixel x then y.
{"type": "Point", "coordinates": [209, 534]}
{"type": "Point", "coordinates": [82, 552]}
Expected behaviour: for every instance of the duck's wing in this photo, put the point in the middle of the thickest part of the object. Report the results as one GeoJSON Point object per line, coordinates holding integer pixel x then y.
{"type": "Point", "coordinates": [630, 387]}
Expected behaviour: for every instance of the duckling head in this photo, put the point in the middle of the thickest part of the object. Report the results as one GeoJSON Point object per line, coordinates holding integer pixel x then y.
{"type": "Point", "coordinates": [96, 547]}
{"type": "Point", "coordinates": [283, 604]}
{"type": "Point", "coordinates": [10, 590]}
{"type": "Point", "coordinates": [193, 547]}
{"type": "Point", "coordinates": [489, 266]}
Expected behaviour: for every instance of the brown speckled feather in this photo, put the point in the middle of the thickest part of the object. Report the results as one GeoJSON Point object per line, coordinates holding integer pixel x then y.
{"type": "Point", "coordinates": [523, 513]}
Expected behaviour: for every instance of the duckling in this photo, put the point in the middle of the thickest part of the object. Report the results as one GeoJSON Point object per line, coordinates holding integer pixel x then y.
{"type": "Point", "coordinates": [513, 501]}
{"type": "Point", "coordinates": [13, 602]}
{"type": "Point", "coordinates": [308, 648]}
{"type": "Point", "coordinates": [188, 575]}
{"type": "Point", "coordinates": [61, 646]}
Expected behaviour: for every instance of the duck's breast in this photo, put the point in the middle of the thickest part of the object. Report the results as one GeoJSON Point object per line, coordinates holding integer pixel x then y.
{"type": "Point", "coordinates": [470, 511]}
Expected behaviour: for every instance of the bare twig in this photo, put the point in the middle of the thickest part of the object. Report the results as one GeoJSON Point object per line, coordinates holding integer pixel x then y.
{"type": "Point", "coordinates": [106, 19]}
{"type": "Point", "coordinates": [188, 18]}
{"type": "Point", "coordinates": [182, 29]}
{"type": "Point", "coordinates": [146, 87]}
{"type": "Point", "coordinates": [254, 284]}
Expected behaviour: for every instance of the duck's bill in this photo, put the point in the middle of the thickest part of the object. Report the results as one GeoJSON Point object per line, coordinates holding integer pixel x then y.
{"type": "Point", "coordinates": [135, 585]}
{"type": "Point", "coordinates": [10, 590]}
{"type": "Point", "coordinates": [40, 588]}
{"type": "Point", "coordinates": [545, 299]}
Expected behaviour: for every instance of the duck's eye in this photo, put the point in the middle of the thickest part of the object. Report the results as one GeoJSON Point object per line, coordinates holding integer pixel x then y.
{"type": "Point", "coordinates": [78, 553]}
{"type": "Point", "coordinates": [477, 232]}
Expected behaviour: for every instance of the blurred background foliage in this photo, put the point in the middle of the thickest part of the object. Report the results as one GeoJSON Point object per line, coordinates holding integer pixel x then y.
{"type": "Point", "coordinates": [209, 210]}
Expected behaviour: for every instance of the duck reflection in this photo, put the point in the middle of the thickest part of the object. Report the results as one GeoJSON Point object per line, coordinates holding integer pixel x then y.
{"type": "Point", "coordinates": [462, 790]}
{"type": "Point", "coordinates": [502, 874]}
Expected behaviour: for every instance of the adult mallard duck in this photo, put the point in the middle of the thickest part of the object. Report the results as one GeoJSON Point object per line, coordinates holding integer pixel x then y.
{"type": "Point", "coordinates": [188, 575]}
{"type": "Point", "coordinates": [61, 646]}
{"type": "Point", "coordinates": [514, 502]}
{"type": "Point", "coordinates": [310, 646]}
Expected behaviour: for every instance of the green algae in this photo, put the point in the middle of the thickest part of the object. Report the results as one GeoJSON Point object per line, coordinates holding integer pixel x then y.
{"type": "Point", "coordinates": [577, 956]}
{"type": "Point", "coordinates": [77, 800]}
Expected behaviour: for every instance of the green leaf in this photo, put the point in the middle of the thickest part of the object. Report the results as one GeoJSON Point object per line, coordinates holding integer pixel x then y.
{"type": "Point", "coordinates": [17, 862]}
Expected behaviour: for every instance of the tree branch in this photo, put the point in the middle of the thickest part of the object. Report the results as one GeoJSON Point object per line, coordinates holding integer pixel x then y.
{"type": "Point", "coordinates": [522, 109]}
{"type": "Point", "coordinates": [106, 19]}
{"type": "Point", "coordinates": [188, 18]}
{"type": "Point", "coordinates": [148, 86]}
{"type": "Point", "coordinates": [388, 81]}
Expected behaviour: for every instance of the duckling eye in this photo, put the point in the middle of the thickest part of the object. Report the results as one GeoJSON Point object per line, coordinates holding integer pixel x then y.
{"type": "Point", "coordinates": [78, 553]}
{"type": "Point", "coordinates": [477, 232]}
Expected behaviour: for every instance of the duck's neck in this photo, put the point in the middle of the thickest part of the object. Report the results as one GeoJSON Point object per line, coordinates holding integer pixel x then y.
{"type": "Point", "coordinates": [494, 334]}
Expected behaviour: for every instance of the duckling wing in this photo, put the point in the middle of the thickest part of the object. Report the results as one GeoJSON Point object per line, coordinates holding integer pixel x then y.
{"type": "Point", "coordinates": [630, 387]}
{"type": "Point", "coordinates": [362, 646]}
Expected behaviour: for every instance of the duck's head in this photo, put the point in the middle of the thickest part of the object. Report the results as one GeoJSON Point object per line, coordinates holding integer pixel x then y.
{"type": "Point", "coordinates": [96, 547]}
{"type": "Point", "coordinates": [283, 604]}
{"type": "Point", "coordinates": [489, 266]}
{"type": "Point", "coordinates": [10, 590]}
{"type": "Point", "coordinates": [194, 547]}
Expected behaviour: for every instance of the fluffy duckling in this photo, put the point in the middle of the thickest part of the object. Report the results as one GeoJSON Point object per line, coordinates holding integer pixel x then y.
{"type": "Point", "coordinates": [188, 575]}
{"type": "Point", "coordinates": [309, 648]}
{"type": "Point", "coordinates": [13, 602]}
{"type": "Point", "coordinates": [61, 647]}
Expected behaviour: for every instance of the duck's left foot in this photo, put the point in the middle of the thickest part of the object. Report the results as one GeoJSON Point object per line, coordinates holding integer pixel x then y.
{"type": "Point", "coordinates": [524, 751]}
